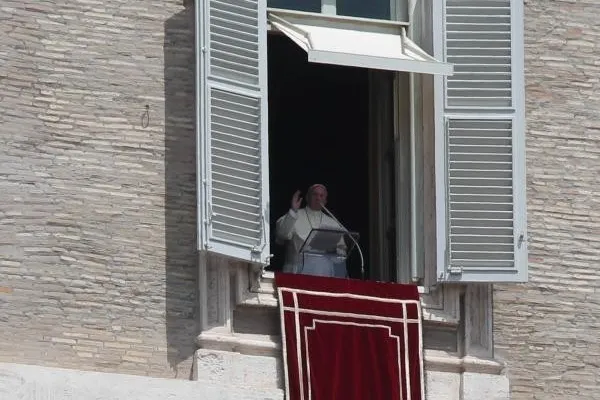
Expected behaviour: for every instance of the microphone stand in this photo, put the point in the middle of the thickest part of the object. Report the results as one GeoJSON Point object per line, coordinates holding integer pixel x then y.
{"type": "Point", "coordinates": [362, 260]}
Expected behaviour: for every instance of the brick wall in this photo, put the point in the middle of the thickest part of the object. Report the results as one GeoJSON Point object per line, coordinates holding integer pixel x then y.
{"type": "Point", "coordinates": [548, 330]}
{"type": "Point", "coordinates": [97, 207]}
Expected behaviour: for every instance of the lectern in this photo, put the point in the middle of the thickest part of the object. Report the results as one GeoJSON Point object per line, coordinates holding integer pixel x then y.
{"type": "Point", "coordinates": [325, 251]}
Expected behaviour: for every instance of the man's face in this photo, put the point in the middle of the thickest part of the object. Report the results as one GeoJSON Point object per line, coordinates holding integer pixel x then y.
{"type": "Point", "coordinates": [317, 197]}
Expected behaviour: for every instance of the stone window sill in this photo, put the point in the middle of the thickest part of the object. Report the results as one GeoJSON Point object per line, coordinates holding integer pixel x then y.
{"type": "Point", "coordinates": [442, 361]}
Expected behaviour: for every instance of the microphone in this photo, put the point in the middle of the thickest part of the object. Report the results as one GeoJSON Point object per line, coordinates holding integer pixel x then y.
{"type": "Point", "coordinates": [362, 260]}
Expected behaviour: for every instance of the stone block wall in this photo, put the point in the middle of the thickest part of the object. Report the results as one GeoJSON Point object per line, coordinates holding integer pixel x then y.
{"type": "Point", "coordinates": [548, 329]}
{"type": "Point", "coordinates": [97, 196]}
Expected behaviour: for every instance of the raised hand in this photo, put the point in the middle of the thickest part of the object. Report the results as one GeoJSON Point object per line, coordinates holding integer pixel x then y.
{"type": "Point", "coordinates": [296, 201]}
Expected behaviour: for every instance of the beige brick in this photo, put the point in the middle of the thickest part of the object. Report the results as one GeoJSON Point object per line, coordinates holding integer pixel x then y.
{"type": "Point", "coordinates": [63, 340]}
{"type": "Point", "coordinates": [135, 359]}
{"type": "Point", "coordinates": [138, 354]}
{"type": "Point", "coordinates": [76, 335]}
{"type": "Point", "coordinates": [85, 342]}
{"type": "Point", "coordinates": [115, 345]}
{"type": "Point", "coordinates": [86, 349]}
{"type": "Point", "coordinates": [129, 340]}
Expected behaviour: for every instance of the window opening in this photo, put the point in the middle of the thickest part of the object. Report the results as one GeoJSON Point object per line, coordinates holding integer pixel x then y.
{"type": "Point", "coordinates": [318, 133]}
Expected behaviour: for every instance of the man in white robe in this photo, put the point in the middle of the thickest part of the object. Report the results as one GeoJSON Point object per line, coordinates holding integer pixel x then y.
{"type": "Point", "coordinates": [294, 227]}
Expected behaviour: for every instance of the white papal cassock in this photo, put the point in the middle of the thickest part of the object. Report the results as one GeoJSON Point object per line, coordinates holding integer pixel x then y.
{"type": "Point", "coordinates": [292, 230]}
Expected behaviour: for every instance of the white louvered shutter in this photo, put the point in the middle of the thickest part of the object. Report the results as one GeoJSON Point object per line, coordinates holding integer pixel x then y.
{"type": "Point", "coordinates": [232, 129]}
{"type": "Point", "coordinates": [482, 217]}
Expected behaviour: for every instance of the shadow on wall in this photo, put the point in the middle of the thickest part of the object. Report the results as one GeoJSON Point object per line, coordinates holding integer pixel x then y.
{"type": "Point", "coordinates": [180, 191]}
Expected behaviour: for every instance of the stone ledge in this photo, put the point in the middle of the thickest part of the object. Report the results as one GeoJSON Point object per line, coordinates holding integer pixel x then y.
{"type": "Point", "coordinates": [261, 299]}
{"type": "Point", "coordinates": [447, 362]}
{"type": "Point", "coordinates": [249, 344]}
{"type": "Point", "coordinates": [270, 345]}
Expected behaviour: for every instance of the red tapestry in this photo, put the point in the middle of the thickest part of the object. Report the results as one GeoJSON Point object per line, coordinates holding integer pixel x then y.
{"type": "Point", "coordinates": [350, 339]}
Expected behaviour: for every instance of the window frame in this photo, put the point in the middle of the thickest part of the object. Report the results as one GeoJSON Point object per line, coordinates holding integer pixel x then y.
{"type": "Point", "coordinates": [417, 272]}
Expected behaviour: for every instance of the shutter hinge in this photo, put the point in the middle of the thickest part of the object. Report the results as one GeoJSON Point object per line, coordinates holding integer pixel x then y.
{"type": "Point", "coordinates": [210, 214]}
{"type": "Point", "coordinates": [521, 240]}
{"type": "Point", "coordinates": [209, 210]}
{"type": "Point", "coordinates": [446, 260]}
{"type": "Point", "coordinates": [455, 270]}
{"type": "Point", "coordinates": [257, 250]}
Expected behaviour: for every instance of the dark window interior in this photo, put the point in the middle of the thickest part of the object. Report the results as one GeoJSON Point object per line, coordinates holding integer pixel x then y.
{"type": "Point", "coordinates": [355, 8]}
{"type": "Point", "coordinates": [299, 5]}
{"type": "Point", "coordinates": [318, 131]}
{"type": "Point", "coordinates": [361, 8]}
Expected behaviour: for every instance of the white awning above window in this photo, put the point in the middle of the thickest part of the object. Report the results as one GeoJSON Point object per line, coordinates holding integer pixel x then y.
{"type": "Point", "coordinates": [357, 42]}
